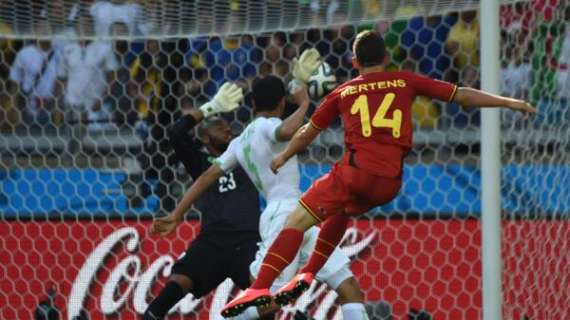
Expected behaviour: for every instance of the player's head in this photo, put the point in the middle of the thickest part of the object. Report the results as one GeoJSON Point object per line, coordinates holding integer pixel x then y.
{"type": "Point", "coordinates": [268, 95]}
{"type": "Point", "coordinates": [369, 50]}
{"type": "Point", "coordinates": [215, 132]}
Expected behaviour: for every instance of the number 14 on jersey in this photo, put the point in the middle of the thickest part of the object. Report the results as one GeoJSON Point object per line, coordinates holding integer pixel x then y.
{"type": "Point", "coordinates": [380, 120]}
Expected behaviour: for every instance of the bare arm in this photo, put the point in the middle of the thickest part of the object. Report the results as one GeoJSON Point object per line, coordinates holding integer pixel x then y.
{"type": "Point", "coordinates": [168, 224]}
{"type": "Point", "coordinates": [290, 125]}
{"type": "Point", "coordinates": [470, 97]}
{"type": "Point", "coordinates": [302, 139]}
{"type": "Point", "coordinates": [198, 187]}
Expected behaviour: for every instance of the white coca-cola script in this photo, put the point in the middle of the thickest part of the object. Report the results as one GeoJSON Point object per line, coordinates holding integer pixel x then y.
{"type": "Point", "coordinates": [137, 282]}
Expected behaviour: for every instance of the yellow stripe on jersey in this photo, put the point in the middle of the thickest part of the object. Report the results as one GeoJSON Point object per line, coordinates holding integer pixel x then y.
{"type": "Point", "coordinates": [309, 210]}
{"type": "Point", "coordinates": [315, 126]}
{"type": "Point", "coordinates": [453, 94]}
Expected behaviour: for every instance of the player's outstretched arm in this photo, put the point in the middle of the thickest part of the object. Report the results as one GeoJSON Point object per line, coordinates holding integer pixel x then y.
{"type": "Point", "coordinates": [301, 140]}
{"type": "Point", "coordinates": [226, 99]}
{"type": "Point", "coordinates": [470, 97]}
{"type": "Point", "coordinates": [290, 125]}
{"type": "Point", "coordinates": [303, 67]}
{"type": "Point", "coordinates": [166, 225]}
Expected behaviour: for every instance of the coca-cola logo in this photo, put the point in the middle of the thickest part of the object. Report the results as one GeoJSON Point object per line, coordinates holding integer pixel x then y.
{"type": "Point", "coordinates": [137, 282]}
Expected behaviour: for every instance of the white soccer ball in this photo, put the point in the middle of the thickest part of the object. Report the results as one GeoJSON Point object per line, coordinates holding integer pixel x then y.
{"type": "Point", "coordinates": [322, 81]}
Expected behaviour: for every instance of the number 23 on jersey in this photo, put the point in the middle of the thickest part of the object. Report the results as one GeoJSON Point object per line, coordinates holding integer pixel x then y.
{"type": "Point", "coordinates": [380, 120]}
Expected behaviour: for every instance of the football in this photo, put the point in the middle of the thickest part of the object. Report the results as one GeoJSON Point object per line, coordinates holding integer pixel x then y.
{"type": "Point", "coordinates": [322, 81]}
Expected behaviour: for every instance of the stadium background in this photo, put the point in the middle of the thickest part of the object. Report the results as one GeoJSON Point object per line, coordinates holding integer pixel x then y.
{"type": "Point", "coordinates": [71, 178]}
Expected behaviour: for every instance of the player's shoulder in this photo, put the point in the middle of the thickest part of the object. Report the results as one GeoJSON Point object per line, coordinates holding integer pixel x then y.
{"type": "Point", "coordinates": [268, 121]}
{"type": "Point", "coordinates": [29, 50]}
{"type": "Point", "coordinates": [388, 75]}
{"type": "Point", "coordinates": [343, 86]}
{"type": "Point", "coordinates": [233, 145]}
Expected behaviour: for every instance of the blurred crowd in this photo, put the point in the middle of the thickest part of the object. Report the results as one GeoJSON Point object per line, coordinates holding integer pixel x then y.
{"type": "Point", "coordinates": [136, 84]}
{"type": "Point", "coordinates": [122, 83]}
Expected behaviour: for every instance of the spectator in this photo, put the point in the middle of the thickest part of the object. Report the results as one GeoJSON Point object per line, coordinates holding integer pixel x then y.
{"type": "Point", "coordinates": [147, 73]}
{"type": "Point", "coordinates": [463, 40]}
{"type": "Point", "coordinates": [35, 72]}
{"type": "Point", "coordinates": [87, 67]}
{"type": "Point", "coordinates": [371, 8]}
{"type": "Point", "coordinates": [516, 17]}
{"type": "Point", "coordinates": [231, 58]}
{"type": "Point", "coordinates": [465, 117]}
{"type": "Point", "coordinates": [547, 43]}
{"type": "Point", "coordinates": [515, 80]}
{"type": "Point", "coordinates": [9, 116]}
{"type": "Point", "coordinates": [515, 74]}
{"type": "Point", "coordinates": [106, 14]}
{"type": "Point", "coordinates": [424, 110]}
{"type": "Point", "coordinates": [424, 39]}
{"type": "Point", "coordinates": [563, 75]}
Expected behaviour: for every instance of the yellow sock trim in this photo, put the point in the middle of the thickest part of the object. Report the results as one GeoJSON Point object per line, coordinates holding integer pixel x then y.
{"type": "Point", "coordinates": [326, 242]}
{"type": "Point", "coordinates": [272, 267]}
{"type": "Point", "coordinates": [321, 254]}
{"type": "Point", "coordinates": [278, 256]}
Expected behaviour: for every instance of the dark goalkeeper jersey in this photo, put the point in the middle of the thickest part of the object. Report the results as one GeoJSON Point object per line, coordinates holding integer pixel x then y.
{"type": "Point", "coordinates": [230, 206]}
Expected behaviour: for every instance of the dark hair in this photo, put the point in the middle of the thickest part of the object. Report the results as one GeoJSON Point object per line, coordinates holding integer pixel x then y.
{"type": "Point", "coordinates": [369, 48]}
{"type": "Point", "coordinates": [267, 93]}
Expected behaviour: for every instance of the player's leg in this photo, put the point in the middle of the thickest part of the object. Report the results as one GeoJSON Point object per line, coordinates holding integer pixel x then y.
{"type": "Point", "coordinates": [351, 300]}
{"type": "Point", "coordinates": [328, 238]}
{"type": "Point", "coordinates": [199, 271]}
{"type": "Point", "coordinates": [244, 256]}
{"type": "Point", "coordinates": [280, 254]}
{"type": "Point", "coordinates": [176, 288]}
{"type": "Point", "coordinates": [285, 247]}
{"type": "Point", "coordinates": [332, 231]}
{"type": "Point", "coordinates": [325, 201]}
{"type": "Point", "coordinates": [287, 244]}
{"type": "Point", "coordinates": [337, 275]}
{"type": "Point", "coordinates": [271, 223]}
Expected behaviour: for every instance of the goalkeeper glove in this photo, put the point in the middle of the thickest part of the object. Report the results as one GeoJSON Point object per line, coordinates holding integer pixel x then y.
{"type": "Point", "coordinates": [304, 67]}
{"type": "Point", "coordinates": [226, 99]}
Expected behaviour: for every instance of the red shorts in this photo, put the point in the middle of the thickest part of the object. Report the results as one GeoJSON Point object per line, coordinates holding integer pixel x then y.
{"type": "Point", "coordinates": [349, 190]}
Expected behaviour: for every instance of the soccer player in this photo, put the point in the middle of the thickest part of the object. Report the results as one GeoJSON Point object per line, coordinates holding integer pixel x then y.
{"type": "Point", "coordinates": [253, 150]}
{"type": "Point", "coordinates": [376, 111]}
{"type": "Point", "coordinates": [227, 242]}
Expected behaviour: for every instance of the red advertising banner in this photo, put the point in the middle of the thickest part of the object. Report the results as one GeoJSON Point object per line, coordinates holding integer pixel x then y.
{"type": "Point", "coordinates": [109, 269]}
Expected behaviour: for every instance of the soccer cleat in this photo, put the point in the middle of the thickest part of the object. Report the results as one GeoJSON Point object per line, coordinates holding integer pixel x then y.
{"type": "Point", "coordinates": [250, 297]}
{"type": "Point", "coordinates": [294, 288]}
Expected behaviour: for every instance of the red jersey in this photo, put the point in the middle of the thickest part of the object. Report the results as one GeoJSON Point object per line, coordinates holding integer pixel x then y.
{"type": "Point", "coordinates": [376, 110]}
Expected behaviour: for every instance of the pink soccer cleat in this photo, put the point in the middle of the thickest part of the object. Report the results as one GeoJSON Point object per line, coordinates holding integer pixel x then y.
{"type": "Point", "coordinates": [250, 297]}
{"type": "Point", "coordinates": [294, 288]}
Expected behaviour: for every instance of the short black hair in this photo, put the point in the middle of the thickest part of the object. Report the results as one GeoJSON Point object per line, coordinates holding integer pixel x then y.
{"type": "Point", "coordinates": [267, 93]}
{"type": "Point", "coordinates": [369, 48]}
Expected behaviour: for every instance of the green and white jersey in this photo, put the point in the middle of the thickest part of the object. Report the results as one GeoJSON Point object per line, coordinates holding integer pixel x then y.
{"type": "Point", "coordinates": [253, 150]}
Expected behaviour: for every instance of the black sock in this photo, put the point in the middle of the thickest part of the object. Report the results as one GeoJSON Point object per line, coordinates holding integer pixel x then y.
{"type": "Point", "coordinates": [168, 297]}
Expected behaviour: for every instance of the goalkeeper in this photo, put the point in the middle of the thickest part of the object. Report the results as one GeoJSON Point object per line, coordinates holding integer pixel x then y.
{"type": "Point", "coordinates": [229, 233]}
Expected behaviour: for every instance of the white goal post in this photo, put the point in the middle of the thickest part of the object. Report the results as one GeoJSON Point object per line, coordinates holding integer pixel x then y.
{"type": "Point", "coordinates": [491, 165]}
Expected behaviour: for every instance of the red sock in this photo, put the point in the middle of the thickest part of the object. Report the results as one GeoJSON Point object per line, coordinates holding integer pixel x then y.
{"type": "Point", "coordinates": [278, 257]}
{"type": "Point", "coordinates": [332, 231]}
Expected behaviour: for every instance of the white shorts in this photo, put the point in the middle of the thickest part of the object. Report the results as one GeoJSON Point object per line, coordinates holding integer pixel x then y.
{"type": "Point", "coordinates": [271, 222]}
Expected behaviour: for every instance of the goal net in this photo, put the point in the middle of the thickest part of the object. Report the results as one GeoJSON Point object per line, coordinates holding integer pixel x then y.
{"type": "Point", "coordinates": [85, 164]}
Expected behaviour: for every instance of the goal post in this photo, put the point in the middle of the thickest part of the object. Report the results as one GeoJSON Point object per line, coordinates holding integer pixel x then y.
{"type": "Point", "coordinates": [491, 165]}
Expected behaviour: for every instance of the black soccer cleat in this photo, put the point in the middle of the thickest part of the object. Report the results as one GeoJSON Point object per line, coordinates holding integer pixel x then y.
{"type": "Point", "coordinates": [293, 289]}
